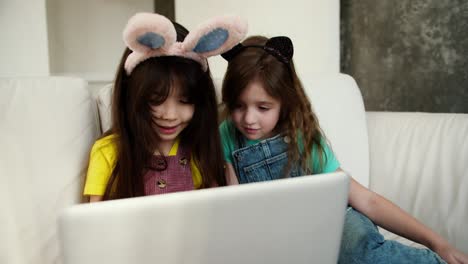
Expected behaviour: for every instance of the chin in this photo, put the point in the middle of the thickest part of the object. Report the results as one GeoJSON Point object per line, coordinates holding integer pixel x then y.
{"type": "Point", "coordinates": [253, 137]}
{"type": "Point", "coordinates": [165, 137]}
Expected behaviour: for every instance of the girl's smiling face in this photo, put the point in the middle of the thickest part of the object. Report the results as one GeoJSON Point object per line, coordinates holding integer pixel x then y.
{"type": "Point", "coordinates": [171, 117]}
{"type": "Point", "coordinates": [256, 113]}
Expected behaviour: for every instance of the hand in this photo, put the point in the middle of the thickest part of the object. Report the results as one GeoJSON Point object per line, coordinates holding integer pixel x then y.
{"type": "Point", "coordinates": [451, 254]}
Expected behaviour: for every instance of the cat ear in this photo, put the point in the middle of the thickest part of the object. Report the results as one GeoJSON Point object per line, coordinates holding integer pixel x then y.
{"type": "Point", "coordinates": [230, 54]}
{"type": "Point", "coordinates": [146, 32]}
{"type": "Point", "coordinates": [281, 47]}
{"type": "Point", "coordinates": [215, 36]}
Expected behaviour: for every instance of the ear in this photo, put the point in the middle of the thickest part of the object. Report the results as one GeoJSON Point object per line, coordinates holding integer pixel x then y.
{"type": "Point", "coordinates": [230, 54]}
{"type": "Point", "coordinates": [147, 32]}
{"type": "Point", "coordinates": [281, 47]}
{"type": "Point", "coordinates": [216, 36]}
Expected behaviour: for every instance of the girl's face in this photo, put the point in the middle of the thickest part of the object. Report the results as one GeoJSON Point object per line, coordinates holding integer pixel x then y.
{"type": "Point", "coordinates": [171, 117]}
{"type": "Point", "coordinates": [256, 113]}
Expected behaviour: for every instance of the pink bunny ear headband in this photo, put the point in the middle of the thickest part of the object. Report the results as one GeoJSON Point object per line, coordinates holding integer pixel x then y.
{"type": "Point", "coordinates": [152, 35]}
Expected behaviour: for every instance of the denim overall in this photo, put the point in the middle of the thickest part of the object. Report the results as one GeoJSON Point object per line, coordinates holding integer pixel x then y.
{"type": "Point", "coordinates": [361, 241]}
{"type": "Point", "coordinates": [263, 161]}
{"type": "Point", "coordinates": [176, 175]}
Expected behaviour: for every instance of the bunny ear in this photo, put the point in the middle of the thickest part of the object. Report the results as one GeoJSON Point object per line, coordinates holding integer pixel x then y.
{"type": "Point", "coordinates": [216, 36]}
{"type": "Point", "coordinates": [147, 32]}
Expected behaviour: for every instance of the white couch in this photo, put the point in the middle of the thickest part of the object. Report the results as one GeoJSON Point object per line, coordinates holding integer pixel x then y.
{"type": "Point", "coordinates": [46, 128]}
{"type": "Point", "coordinates": [47, 125]}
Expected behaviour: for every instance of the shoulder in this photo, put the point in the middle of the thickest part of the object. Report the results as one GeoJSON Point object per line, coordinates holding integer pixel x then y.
{"type": "Point", "coordinates": [106, 143]}
{"type": "Point", "coordinates": [226, 126]}
{"type": "Point", "coordinates": [106, 146]}
{"type": "Point", "coordinates": [227, 130]}
{"type": "Point", "coordinates": [102, 161]}
{"type": "Point", "coordinates": [227, 133]}
{"type": "Point", "coordinates": [325, 144]}
{"type": "Point", "coordinates": [317, 141]}
{"type": "Point", "coordinates": [329, 162]}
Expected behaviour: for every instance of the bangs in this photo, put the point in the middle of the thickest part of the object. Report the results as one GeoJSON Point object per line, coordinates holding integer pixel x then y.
{"type": "Point", "coordinates": [256, 65]}
{"type": "Point", "coordinates": [186, 84]}
{"type": "Point", "coordinates": [158, 96]}
{"type": "Point", "coordinates": [188, 76]}
{"type": "Point", "coordinates": [157, 77]}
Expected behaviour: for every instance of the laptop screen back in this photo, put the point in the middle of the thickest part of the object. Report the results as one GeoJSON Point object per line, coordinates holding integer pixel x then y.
{"type": "Point", "coordinates": [295, 220]}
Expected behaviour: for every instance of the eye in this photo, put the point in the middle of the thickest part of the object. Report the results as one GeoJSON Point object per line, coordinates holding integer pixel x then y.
{"type": "Point", "coordinates": [154, 101]}
{"type": "Point", "coordinates": [185, 100]}
{"type": "Point", "coordinates": [238, 106]}
{"type": "Point", "coordinates": [263, 108]}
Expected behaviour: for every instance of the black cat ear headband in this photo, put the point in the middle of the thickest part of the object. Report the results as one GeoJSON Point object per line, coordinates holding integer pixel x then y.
{"type": "Point", "coordinates": [281, 47]}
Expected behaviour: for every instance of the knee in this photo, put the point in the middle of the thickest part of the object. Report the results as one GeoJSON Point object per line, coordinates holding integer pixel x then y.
{"type": "Point", "coordinates": [354, 237]}
{"type": "Point", "coordinates": [359, 234]}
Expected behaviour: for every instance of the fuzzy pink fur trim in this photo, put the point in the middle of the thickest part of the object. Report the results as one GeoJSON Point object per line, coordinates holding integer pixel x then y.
{"type": "Point", "coordinates": [142, 23]}
{"type": "Point", "coordinates": [136, 58]}
{"type": "Point", "coordinates": [236, 27]}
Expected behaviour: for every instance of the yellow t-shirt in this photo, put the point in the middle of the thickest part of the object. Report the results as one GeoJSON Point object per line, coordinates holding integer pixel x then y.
{"type": "Point", "coordinates": [102, 161]}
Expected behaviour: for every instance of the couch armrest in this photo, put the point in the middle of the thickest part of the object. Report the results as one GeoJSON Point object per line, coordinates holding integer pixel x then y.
{"type": "Point", "coordinates": [47, 126]}
{"type": "Point", "coordinates": [420, 162]}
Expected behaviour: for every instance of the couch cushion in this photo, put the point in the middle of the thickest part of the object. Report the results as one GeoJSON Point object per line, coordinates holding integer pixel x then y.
{"type": "Point", "coordinates": [47, 126]}
{"type": "Point", "coordinates": [420, 162]}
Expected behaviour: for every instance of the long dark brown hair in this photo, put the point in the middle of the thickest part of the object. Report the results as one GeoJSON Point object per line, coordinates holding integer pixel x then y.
{"type": "Point", "coordinates": [150, 83]}
{"type": "Point", "coordinates": [297, 119]}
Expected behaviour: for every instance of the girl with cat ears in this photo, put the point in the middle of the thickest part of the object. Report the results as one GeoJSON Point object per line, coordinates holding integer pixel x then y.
{"type": "Point", "coordinates": [164, 135]}
{"type": "Point", "coordinates": [271, 124]}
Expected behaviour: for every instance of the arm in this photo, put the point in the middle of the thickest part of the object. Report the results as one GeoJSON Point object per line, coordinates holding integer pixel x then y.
{"type": "Point", "coordinates": [389, 216]}
{"type": "Point", "coordinates": [101, 163]}
{"type": "Point", "coordinates": [231, 178]}
{"type": "Point", "coordinates": [95, 198]}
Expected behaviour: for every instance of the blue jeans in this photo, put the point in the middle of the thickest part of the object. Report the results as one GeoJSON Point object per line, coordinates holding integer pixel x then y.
{"type": "Point", "coordinates": [361, 241]}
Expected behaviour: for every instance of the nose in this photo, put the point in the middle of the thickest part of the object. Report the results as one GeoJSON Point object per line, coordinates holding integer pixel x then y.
{"type": "Point", "coordinates": [166, 110]}
{"type": "Point", "coordinates": [249, 116]}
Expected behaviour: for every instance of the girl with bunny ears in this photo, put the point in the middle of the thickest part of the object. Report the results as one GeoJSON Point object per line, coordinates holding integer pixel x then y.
{"type": "Point", "coordinates": [163, 136]}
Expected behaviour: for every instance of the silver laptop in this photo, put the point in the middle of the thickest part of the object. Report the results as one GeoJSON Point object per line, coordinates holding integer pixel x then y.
{"type": "Point", "coordinates": [295, 220]}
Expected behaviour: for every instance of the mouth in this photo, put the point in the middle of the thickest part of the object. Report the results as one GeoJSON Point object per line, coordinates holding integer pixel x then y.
{"type": "Point", "coordinates": [250, 130]}
{"type": "Point", "coordinates": [168, 130]}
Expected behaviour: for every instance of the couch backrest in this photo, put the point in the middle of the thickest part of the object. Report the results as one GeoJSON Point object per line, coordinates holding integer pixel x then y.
{"type": "Point", "coordinates": [47, 126]}
{"type": "Point", "coordinates": [337, 101]}
{"type": "Point", "coordinates": [420, 162]}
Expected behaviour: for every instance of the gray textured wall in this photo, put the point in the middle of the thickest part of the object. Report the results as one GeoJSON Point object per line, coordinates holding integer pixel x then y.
{"type": "Point", "coordinates": [407, 55]}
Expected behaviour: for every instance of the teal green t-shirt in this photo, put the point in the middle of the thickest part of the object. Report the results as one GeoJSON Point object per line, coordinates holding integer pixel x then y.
{"type": "Point", "coordinates": [227, 132]}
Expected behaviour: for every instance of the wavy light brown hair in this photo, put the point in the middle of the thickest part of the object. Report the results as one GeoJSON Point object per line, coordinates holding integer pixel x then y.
{"type": "Point", "coordinates": [149, 84]}
{"type": "Point", "coordinates": [297, 119]}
